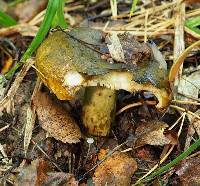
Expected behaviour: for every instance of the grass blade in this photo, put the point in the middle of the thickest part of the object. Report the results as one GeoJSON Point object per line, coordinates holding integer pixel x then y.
{"type": "Point", "coordinates": [193, 24]}
{"type": "Point", "coordinates": [133, 7]}
{"type": "Point", "coordinates": [6, 20]}
{"type": "Point", "coordinates": [59, 19]}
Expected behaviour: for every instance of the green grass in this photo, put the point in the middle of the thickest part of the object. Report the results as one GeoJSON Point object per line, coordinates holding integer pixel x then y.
{"type": "Point", "coordinates": [59, 19]}
{"type": "Point", "coordinates": [6, 20]}
{"type": "Point", "coordinates": [193, 24]}
{"type": "Point", "coordinates": [133, 7]}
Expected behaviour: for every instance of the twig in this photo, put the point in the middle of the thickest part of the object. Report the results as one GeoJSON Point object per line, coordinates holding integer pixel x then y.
{"type": "Point", "coordinates": [179, 45]}
{"type": "Point", "coordinates": [2, 151]}
{"type": "Point", "coordinates": [113, 4]}
{"type": "Point", "coordinates": [176, 121]}
{"type": "Point", "coordinates": [4, 128]}
{"type": "Point", "coordinates": [189, 96]}
{"type": "Point", "coordinates": [134, 105]}
{"type": "Point", "coordinates": [184, 110]}
{"type": "Point", "coordinates": [185, 102]}
{"type": "Point", "coordinates": [145, 26]}
{"type": "Point", "coordinates": [46, 155]}
{"type": "Point", "coordinates": [151, 11]}
{"type": "Point", "coordinates": [128, 107]}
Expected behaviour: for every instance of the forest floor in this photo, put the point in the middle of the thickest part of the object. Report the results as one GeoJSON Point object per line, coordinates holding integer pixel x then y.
{"type": "Point", "coordinates": [154, 134]}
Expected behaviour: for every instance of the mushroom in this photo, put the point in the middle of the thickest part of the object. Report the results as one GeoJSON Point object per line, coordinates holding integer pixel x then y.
{"type": "Point", "coordinates": [98, 110]}
{"type": "Point", "coordinates": [66, 63]}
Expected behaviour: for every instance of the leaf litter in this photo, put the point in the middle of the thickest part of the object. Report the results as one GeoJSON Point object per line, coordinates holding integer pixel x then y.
{"type": "Point", "coordinates": [152, 134]}
{"type": "Point", "coordinates": [55, 120]}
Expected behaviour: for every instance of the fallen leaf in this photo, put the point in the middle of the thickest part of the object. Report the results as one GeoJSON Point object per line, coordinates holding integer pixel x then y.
{"type": "Point", "coordinates": [152, 133]}
{"type": "Point", "coordinates": [192, 2]}
{"type": "Point", "coordinates": [38, 174]}
{"type": "Point", "coordinates": [55, 120]}
{"type": "Point", "coordinates": [28, 9]}
{"type": "Point", "coordinates": [61, 178]}
{"type": "Point", "coordinates": [115, 170]}
{"type": "Point", "coordinates": [190, 85]}
{"type": "Point", "coordinates": [115, 47]}
{"type": "Point", "coordinates": [30, 175]}
{"type": "Point", "coordinates": [189, 172]}
{"type": "Point", "coordinates": [124, 48]}
{"type": "Point", "coordinates": [134, 51]}
{"type": "Point", "coordinates": [102, 153]}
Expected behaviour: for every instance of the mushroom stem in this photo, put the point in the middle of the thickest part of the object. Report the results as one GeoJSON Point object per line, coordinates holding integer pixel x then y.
{"type": "Point", "coordinates": [98, 110]}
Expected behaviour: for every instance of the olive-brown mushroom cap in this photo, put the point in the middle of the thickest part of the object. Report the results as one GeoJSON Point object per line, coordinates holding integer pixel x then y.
{"type": "Point", "coordinates": [55, 60]}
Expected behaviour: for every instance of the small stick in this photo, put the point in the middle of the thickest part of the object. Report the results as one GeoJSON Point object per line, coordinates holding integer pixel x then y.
{"type": "Point", "coordinates": [134, 105]}
{"type": "Point", "coordinates": [189, 96]}
{"type": "Point", "coordinates": [184, 102]}
{"type": "Point", "coordinates": [46, 155]}
{"type": "Point", "coordinates": [128, 107]}
{"type": "Point", "coordinates": [145, 29]}
{"type": "Point", "coordinates": [184, 110]}
{"type": "Point", "coordinates": [179, 44]}
{"type": "Point", "coordinates": [4, 128]}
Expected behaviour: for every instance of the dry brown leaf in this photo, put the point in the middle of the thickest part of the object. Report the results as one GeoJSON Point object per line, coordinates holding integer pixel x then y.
{"type": "Point", "coordinates": [55, 120]}
{"type": "Point", "coordinates": [28, 175]}
{"type": "Point", "coordinates": [189, 85]}
{"type": "Point", "coordinates": [7, 65]}
{"type": "Point", "coordinates": [61, 178]}
{"type": "Point", "coordinates": [115, 47]}
{"type": "Point", "coordinates": [30, 117]}
{"type": "Point", "coordinates": [152, 133]}
{"type": "Point", "coordinates": [189, 172]}
{"type": "Point", "coordinates": [192, 1]}
{"type": "Point", "coordinates": [38, 174]}
{"type": "Point", "coordinates": [28, 9]}
{"type": "Point", "coordinates": [115, 170]}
